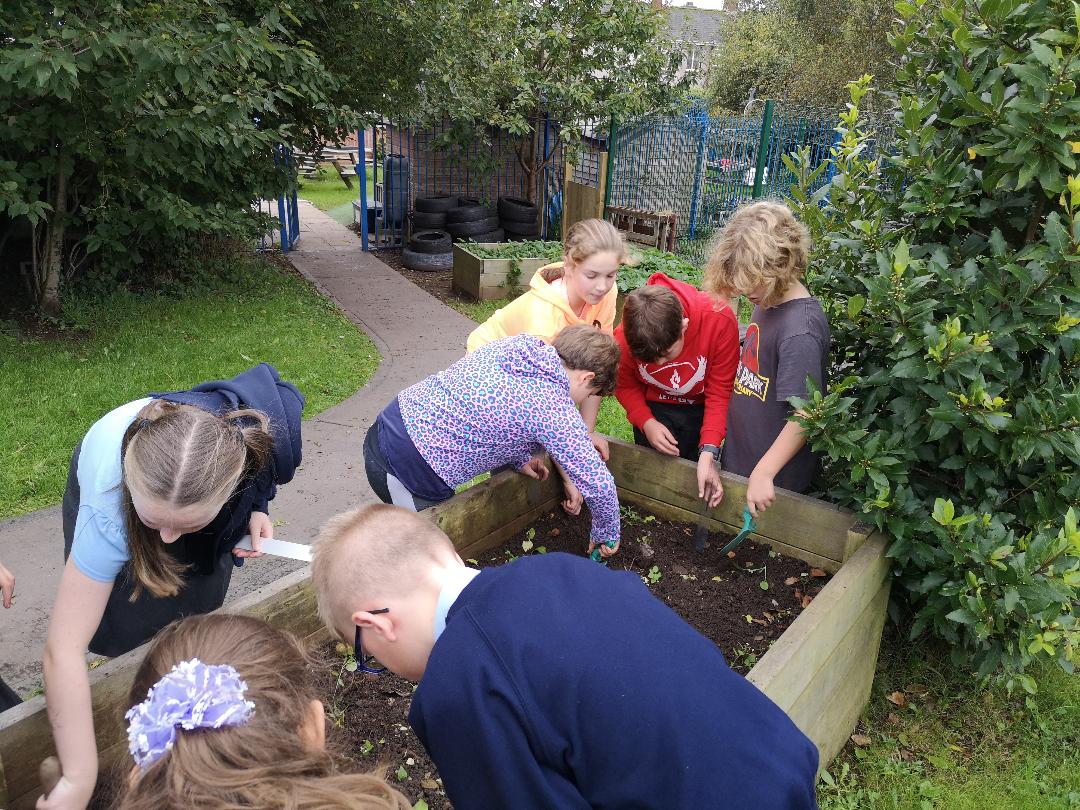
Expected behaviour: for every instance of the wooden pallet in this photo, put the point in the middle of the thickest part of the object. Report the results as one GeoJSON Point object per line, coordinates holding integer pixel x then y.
{"type": "Point", "coordinates": [648, 228]}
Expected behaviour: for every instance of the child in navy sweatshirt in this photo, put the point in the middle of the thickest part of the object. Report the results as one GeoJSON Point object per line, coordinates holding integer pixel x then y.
{"type": "Point", "coordinates": [527, 699]}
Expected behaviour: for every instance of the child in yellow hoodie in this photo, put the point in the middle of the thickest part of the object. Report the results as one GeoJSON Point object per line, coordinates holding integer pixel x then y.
{"type": "Point", "coordinates": [578, 290]}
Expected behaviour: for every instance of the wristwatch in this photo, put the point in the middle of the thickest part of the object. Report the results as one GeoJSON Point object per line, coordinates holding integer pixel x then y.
{"type": "Point", "coordinates": [710, 448]}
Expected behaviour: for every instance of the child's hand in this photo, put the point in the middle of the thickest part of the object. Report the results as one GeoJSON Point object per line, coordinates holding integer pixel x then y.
{"type": "Point", "coordinates": [601, 445]}
{"type": "Point", "coordinates": [65, 795]}
{"type": "Point", "coordinates": [660, 438]}
{"type": "Point", "coordinates": [760, 493]}
{"type": "Point", "coordinates": [605, 550]}
{"type": "Point", "coordinates": [708, 480]}
{"type": "Point", "coordinates": [535, 468]}
{"type": "Point", "coordinates": [7, 586]}
{"type": "Point", "coordinates": [572, 504]}
{"type": "Point", "coordinates": [259, 526]}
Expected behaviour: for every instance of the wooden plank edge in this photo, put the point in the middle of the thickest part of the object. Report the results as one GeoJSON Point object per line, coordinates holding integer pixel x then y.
{"type": "Point", "coordinates": [666, 510]}
{"type": "Point", "coordinates": [790, 663]}
{"type": "Point", "coordinates": [475, 548]}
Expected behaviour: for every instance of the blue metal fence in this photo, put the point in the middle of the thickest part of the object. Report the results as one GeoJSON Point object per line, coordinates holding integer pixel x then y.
{"type": "Point", "coordinates": [703, 167]}
{"type": "Point", "coordinates": [284, 210]}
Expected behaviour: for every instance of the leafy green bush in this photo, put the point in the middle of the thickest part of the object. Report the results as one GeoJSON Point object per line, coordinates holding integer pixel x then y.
{"type": "Point", "coordinates": [950, 271]}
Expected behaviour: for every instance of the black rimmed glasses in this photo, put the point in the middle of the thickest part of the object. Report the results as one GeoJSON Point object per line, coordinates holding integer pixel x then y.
{"type": "Point", "coordinates": [364, 662]}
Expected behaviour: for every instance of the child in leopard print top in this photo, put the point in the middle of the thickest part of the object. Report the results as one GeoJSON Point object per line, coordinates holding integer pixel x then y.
{"type": "Point", "coordinates": [499, 406]}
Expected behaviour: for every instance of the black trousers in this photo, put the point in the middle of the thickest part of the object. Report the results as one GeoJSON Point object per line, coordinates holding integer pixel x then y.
{"type": "Point", "coordinates": [684, 422]}
{"type": "Point", "coordinates": [382, 481]}
{"type": "Point", "coordinates": [126, 624]}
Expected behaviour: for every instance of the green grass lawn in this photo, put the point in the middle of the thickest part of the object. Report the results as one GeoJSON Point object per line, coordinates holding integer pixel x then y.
{"type": "Point", "coordinates": [328, 193]}
{"type": "Point", "coordinates": [118, 347]}
{"type": "Point", "coordinates": [956, 746]}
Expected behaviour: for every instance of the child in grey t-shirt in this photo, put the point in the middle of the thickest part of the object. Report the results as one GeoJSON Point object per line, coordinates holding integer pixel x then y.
{"type": "Point", "coordinates": [762, 254]}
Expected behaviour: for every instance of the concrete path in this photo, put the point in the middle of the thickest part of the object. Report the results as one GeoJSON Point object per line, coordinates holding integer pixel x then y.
{"type": "Point", "coordinates": [416, 335]}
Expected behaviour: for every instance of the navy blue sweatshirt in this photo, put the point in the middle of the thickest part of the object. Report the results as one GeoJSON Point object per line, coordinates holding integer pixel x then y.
{"type": "Point", "coordinates": [531, 699]}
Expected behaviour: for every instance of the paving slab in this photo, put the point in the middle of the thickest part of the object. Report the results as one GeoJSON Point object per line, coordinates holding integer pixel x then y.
{"type": "Point", "coordinates": [415, 334]}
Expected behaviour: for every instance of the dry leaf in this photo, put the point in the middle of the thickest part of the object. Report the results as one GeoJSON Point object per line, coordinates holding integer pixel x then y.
{"type": "Point", "coordinates": [860, 740]}
{"type": "Point", "coordinates": [917, 689]}
{"type": "Point", "coordinates": [893, 718]}
{"type": "Point", "coordinates": [555, 532]}
{"type": "Point", "coordinates": [429, 784]}
{"type": "Point", "coordinates": [731, 555]}
{"type": "Point", "coordinates": [817, 572]}
{"type": "Point", "coordinates": [717, 579]}
{"type": "Point", "coordinates": [806, 600]}
{"type": "Point", "coordinates": [791, 580]}
{"type": "Point", "coordinates": [897, 699]}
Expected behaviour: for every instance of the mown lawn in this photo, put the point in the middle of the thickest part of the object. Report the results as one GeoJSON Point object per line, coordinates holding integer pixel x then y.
{"type": "Point", "coordinates": [113, 348]}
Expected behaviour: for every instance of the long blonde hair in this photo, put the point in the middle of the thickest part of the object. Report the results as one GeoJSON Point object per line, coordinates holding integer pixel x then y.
{"type": "Point", "coordinates": [591, 236]}
{"type": "Point", "coordinates": [183, 455]}
{"type": "Point", "coordinates": [264, 763]}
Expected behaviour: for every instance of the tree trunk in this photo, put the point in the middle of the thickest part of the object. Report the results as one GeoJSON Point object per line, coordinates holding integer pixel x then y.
{"type": "Point", "coordinates": [49, 303]}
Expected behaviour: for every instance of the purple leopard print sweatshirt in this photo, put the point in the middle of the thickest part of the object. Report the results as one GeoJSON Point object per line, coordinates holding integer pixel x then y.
{"type": "Point", "coordinates": [497, 406]}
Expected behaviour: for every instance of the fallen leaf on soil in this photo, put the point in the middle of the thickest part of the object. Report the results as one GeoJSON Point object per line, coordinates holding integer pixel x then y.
{"type": "Point", "coordinates": [906, 755]}
{"type": "Point", "coordinates": [555, 532]}
{"type": "Point", "coordinates": [749, 618]}
{"type": "Point", "coordinates": [759, 638]}
{"type": "Point", "coordinates": [429, 784]}
{"type": "Point", "coordinates": [897, 699]}
{"type": "Point", "coordinates": [860, 739]}
{"type": "Point", "coordinates": [731, 555]}
{"type": "Point", "coordinates": [893, 718]}
{"type": "Point", "coordinates": [717, 579]}
{"type": "Point", "coordinates": [817, 572]}
{"type": "Point", "coordinates": [806, 600]}
{"type": "Point", "coordinates": [917, 689]}
{"type": "Point", "coordinates": [791, 580]}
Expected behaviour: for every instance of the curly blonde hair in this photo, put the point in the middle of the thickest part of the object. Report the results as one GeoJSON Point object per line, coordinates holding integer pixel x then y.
{"type": "Point", "coordinates": [763, 245]}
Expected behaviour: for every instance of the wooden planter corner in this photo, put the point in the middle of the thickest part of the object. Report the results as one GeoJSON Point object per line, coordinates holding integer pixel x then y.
{"type": "Point", "coordinates": [819, 671]}
{"type": "Point", "coordinates": [484, 279]}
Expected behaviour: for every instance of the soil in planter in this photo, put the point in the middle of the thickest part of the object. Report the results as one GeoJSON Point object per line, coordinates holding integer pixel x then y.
{"type": "Point", "coordinates": [723, 597]}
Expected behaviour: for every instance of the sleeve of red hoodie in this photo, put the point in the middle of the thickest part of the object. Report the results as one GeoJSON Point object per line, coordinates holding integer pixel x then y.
{"type": "Point", "coordinates": [723, 354]}
{"type": "Point", "coordinates": [629, 389]}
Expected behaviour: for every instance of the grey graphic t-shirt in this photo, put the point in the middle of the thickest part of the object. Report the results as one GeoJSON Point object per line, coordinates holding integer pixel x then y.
{"type": "Point", "coordinates": [783, 346]}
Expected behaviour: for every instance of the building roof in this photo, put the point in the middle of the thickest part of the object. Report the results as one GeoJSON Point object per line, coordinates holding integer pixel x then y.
{"type": "Point", "coordinates": [689, 24]}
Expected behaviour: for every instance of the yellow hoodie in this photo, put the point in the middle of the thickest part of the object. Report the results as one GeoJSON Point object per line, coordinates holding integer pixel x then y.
{"type": "Point", "coordinates": [542, 311]}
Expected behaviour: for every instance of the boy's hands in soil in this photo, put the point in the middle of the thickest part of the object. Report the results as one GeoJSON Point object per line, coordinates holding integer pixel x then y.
{"type": "Point", "coordinates": [572, 504]}
{"type": "Point", "coordinates": [708, 480]}
{"type": "Point", "coordinates": [605, 550]}
{"type": "Point", "coordinates": [660, 438]}
{"type": "Point", "coordinates": [535, 468]}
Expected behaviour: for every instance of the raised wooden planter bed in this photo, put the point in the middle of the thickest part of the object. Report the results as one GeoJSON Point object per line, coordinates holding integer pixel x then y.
{"type": "Point", "coordinates": [819, 671]}
{"type": "Point", "coordinates": [484, 279]}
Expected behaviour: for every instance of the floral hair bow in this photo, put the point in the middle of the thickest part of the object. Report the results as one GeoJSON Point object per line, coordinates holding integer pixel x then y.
{"type": "Point", "coordinates": [192, 695]}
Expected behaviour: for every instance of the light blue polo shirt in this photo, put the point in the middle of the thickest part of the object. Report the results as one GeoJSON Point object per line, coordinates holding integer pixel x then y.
{"type": "Point", "coordinates": [100, 548]}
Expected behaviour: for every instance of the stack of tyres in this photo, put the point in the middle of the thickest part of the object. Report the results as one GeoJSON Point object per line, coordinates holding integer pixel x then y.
{"type": "Point", "coordinates": [430, 212]}
{"type": "Point", "coordinates": [519, 218]}
{"type": "Point", "coordinates": [471, 221]}
{"type": "Point", "coordinates": [429, 251]}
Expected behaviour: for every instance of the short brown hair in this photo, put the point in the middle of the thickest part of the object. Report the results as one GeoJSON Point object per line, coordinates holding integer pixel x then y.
{"type": "Point", "coordinates": [373, 551]}
{"type": "Point", "coordinates": [652, 321]}
{"type": "Point", "coordinates": [763, 245]}
{"type": "Point", "coordinates": [586, 348]}
{"type": "Point", "coordinates": [264, 763]}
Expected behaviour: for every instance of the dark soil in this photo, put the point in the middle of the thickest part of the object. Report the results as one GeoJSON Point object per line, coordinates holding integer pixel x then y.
{"type": "Point", "coordinates": [721, 596]}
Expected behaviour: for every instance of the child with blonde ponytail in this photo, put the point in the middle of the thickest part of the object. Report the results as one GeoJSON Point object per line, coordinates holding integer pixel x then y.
{"type": "Point", "coordinates": [223, 715]}
{"type": "Point", "coordinates": [159, 493]}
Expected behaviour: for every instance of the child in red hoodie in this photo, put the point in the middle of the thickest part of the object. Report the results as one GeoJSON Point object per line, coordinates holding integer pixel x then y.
{"type": "Point", "coordinates": [679, 350]}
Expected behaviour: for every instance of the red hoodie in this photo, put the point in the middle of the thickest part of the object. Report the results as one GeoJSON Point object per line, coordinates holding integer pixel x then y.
{"type": "Point", "coordinates": [704, 371]}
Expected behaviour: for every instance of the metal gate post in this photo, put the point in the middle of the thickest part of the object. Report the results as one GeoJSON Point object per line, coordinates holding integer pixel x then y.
{"type": "Point", "coordinates": [703, 118]}
{"type": "Point", "coordinates": [763, 149]}
{"type": "Point", "coordinates": [363, 188]}
{"type": "Point", "coordinates": [608, 180]}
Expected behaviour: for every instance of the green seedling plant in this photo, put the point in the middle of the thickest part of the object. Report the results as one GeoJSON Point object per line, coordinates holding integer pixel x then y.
{"type": "Point", "coordinates": [654, 575]}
